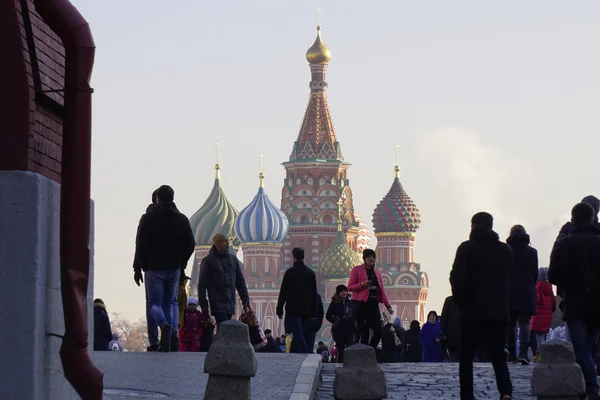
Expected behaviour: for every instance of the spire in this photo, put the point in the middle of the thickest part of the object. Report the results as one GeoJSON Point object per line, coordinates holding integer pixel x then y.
{"type": "Point", "coordinates": [397, 167]}
{"type": "Point", "coordinates": [261, 175]}
{"type": "Point", "coordinates": [217, 165]}
{"type": "Point", "coordinates": [339, 221]}
{"type": "Point", "coordinates": [317, 139]}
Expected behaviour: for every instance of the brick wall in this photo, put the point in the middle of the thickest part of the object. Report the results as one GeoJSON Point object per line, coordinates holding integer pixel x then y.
{"type": "Point", "coordinates": [44, 60]}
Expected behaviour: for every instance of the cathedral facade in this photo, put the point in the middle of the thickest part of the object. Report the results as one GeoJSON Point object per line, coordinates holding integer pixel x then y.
{"type": "Point", "coordinates": [316, 213]}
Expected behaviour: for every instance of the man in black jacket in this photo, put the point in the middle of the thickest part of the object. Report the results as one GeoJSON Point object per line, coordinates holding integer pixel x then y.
{"type": "Point", "coordinates": [479, 281]}
{"type": "Point", "coordinates": [450, 326]}
{"type": "Point", "coordinates": [164, 244]}
{"type": "Point", "coordinates": [220, 275]}
{"type": "Point", "coordinates": [575, 267]}
{"type": "Point", "coordinates": [298, 294]}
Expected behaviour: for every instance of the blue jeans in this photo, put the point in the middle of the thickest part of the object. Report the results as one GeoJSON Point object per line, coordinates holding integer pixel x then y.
{"type": "Point", "coordinates": [584, 336]}
{"type": "Point", "coordinates": [175, 324]}
{"type": "Point", "coordinates": [293, 325]}
{"type": "Point", "coordinates": [163, 285]}
{"type": "Point", "coordinates": [150, 322]}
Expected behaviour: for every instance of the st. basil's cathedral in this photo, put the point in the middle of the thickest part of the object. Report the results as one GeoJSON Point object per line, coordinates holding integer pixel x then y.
{"type": "Point", "coordinates": [317, 214]}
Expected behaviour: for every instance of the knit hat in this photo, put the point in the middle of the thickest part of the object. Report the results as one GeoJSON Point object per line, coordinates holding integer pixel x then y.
{"type": "Point", "coordinates": [192, 300]}
{"type": "Point", "coordinates": [543, 274]}
{"type": "Point", "coordinates": [397, 321]}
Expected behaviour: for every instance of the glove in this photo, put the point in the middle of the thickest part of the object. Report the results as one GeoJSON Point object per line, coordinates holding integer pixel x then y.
{"type": "Point", "coordinates": [138, 277]}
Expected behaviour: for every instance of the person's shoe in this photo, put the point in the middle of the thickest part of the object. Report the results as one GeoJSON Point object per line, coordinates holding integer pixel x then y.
{"type": "Point", "coordinates": [523, 361]}
{"type": "Point", "coordinates": [165, 342]}
{"type": "Point", "coordinates": [152, 347]}
{"type": "Point", "coordinates": [174, 341]}
{"type": "Point", "coordinates": [537, 358]}
{"type": "Point", "coordinates": [505, 397]}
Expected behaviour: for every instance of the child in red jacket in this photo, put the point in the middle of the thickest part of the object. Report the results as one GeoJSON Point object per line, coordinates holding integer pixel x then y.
{"type": "Point", "coordinates": [545, 306]}
{"type": "Point", "coordinates": [192, 328]}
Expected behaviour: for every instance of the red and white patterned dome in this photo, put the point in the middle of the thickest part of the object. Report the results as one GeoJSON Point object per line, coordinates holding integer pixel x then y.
{"type": "Point", "coordinates": [363, 240]}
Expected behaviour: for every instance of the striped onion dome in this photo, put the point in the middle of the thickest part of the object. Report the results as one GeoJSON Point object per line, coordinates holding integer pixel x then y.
{"type": "Point", "coordinates": [261, 220]}
{"type": "Point", "coordinates": [396, 212]}
{"type": "Point", "coordinates": [363, 240]}
{"type": "Point", "coordinates": [216, 215]}
{"type": "Point", "coordinates": [339, 259]}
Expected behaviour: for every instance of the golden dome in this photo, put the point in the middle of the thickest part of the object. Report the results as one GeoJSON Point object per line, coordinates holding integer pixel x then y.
{"type": "Point", "coordinates": [318, 52]}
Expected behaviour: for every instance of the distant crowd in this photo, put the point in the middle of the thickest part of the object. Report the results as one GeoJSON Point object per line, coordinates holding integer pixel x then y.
{"type": "Point", "coordinates": [501, 305]}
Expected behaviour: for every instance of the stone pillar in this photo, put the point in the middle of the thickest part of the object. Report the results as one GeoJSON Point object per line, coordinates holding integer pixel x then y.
{"type": "Point", "coordinates": [230, 363]}
{"type": "Point", "coordinates": [30, 289]}
{"type": "Point", "coordinates": [557, 376]}
{"type": "Point", "coordinates": [360, 378]}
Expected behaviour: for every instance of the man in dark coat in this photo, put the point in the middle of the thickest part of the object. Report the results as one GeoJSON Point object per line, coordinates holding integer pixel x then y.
{"type": "Point", "coordinates": [575, 267]}
{"type": "Point", "coordinates": [298, 294]}
{"type": "Point", "coordinates": [450, 326]}
{"type": "Point", "coordinates": [270, 347]}
{"type": "Point", "coordinates": [592, 201]}
{"type": "Point", "coordinates": [414, 348]}
{"type": "Point", "coordinates": [479, 281]}
{"type": "Point", "coordinates": [522, 278]}
{"type": "Point", "coordinates": [342, 323]}
{"type": "Point", "coordinates": [164, 244]}
{"type": "Point", "coordinates": [220, 275]}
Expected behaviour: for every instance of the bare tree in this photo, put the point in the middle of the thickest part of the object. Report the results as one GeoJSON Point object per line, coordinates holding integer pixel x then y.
{"type": "Point", "coordinates": [132, 335]}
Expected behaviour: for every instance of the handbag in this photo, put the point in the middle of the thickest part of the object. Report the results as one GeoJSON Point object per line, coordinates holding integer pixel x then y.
{"type": "Point", "coordinates": [258, 339]}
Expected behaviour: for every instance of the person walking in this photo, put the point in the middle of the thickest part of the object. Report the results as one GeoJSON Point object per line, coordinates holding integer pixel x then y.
{"type": "Point", "coordinates": [545, 307]}
{"type": "Point", "coordinates": [367, 287]}
{"type": "Point", "coordinates": [342, 323]}
{"type": "Point", "coordinates": [575, 267]}
{"type": "Point", "coordinates": [450, 326]}
{"type": "Point", "coordinates": [164, 244]}
{"type": "Point", "coordinates": [479, 280]}
{"type": "Point", "coordinates": [522, 277]}
{"type": "Point", "coordinates": [414, 348]}
{"type": "Point", "coordinates": [298, 294]}
{"type": "Point", "coordinates": [151, 325]}
{"type": "Point", "coordinates": [192, 327]}
{"type": "Point", "coordinates": [102, 331]}
{"type": "Point", "coordinates": [220, 276]}
{"type": "Point", "coordinates": [431, 336]}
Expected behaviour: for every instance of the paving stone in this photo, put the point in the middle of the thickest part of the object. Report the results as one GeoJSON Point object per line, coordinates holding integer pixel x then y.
{"type": "Point", "coordinates": [421, 381]}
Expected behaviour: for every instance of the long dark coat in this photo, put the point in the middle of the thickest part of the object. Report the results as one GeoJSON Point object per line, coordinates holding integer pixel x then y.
{"type": "Point", "coordinates": [523, 274]}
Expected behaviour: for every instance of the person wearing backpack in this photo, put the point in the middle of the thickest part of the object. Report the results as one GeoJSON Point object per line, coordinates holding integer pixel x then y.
{"type": "Point", "coordinates": [575, 267]}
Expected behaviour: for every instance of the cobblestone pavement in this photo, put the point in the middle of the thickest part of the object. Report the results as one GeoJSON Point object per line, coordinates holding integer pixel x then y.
{"type": "Point", "coordinates": [181, 375]}
{"type": "Point", "coordinates": [412, 381]}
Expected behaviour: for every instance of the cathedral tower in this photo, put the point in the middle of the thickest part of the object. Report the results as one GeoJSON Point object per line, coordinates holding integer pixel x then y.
{"type": "Point", "coordinates": [316, 175]}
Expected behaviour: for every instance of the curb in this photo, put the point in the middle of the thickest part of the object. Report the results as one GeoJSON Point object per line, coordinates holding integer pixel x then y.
{"type": "Point", "coordinates": [308, 379]}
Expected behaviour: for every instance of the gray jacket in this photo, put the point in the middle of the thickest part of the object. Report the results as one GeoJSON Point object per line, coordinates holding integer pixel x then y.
{"type": "Point", "coordinates": [220, 276]}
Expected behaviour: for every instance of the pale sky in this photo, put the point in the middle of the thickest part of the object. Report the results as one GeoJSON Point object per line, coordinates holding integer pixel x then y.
{"type": "Point", "coordinates": [494, 106]}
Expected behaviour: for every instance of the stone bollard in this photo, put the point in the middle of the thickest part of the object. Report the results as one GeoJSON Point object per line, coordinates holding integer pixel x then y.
{"type": "Point", "coordinates": [360, 378]}
{"type": "Point", "coordinates": [557, 376]}
{"type": "Point", "coordinates": [230, 363]}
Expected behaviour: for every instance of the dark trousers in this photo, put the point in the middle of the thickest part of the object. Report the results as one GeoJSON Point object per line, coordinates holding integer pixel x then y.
{"type": "Point", "coordinates": [584, 335]}
{"type": "Point", "coordinates": [341, 342]}
{"type": "Point", "coordinates": [369, 319]}
{"type": "Point", "coordinates": [522, 321]}
{"type": "Point", "coordinates": [295, 326]}
{"type": "Point", "coordinates": [494, 332]}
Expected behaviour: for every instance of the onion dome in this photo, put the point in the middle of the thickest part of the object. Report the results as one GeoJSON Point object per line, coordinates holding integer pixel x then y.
{"type": "Point", "coordinates": [363, 239]}
{"type": "Point", "coordinates": [339, 259]}
{"type": "Point", "coordinates": [396, 212]}
{"type": "Point", "coordinates": [318, 52]}
{"type": "Point", "coordinates": [216, 215]}
{"type": "Point", "coordinates": [261, 220]}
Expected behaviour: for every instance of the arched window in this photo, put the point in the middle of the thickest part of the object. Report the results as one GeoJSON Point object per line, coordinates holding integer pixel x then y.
{"type": "Point", "coordinates": [304, 219]}
{"type": "Point", "coordinates": [402, 259]}
{"type": "Point", "coordinates": [266, 265]}
{"type": "Point", "coordinates": [327, 219]}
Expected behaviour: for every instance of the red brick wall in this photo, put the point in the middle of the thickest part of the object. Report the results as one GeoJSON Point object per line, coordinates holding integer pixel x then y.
{"type": "Point", "coordinates": [43, 59]}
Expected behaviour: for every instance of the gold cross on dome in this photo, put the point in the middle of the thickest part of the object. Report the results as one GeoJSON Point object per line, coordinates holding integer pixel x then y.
{"type": "Point", "coordinates": [262, 160]}
{"type": "Point", "coordinates": [397, 146]}
{"type": "Point", "coordinates": [319, 16]}
{"type": "Point", "coordinates": [218, 146]}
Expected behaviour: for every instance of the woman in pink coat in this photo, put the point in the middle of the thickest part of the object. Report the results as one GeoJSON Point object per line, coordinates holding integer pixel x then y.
{"type": "Point", "coordinates": [367, 292]}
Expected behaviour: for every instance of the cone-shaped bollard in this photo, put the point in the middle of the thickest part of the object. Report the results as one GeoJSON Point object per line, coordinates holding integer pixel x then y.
{"type": "Point", "coordinates": [230, 363]}
{"type": "Point", "coordinates": [557, 376]}
{"type": "Point", "coordinates": [360, 378]}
